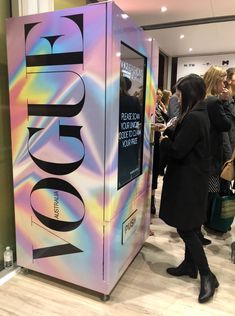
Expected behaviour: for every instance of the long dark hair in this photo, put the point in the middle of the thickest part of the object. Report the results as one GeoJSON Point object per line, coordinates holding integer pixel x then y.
{"type": "Point", "coordinates": [193, 90]}
{"type": "Point", "coordinates": [230, 73]}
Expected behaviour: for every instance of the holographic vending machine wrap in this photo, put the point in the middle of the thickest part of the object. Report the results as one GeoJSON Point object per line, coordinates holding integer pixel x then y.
{"type": "Point", "coordinates": [81, 194]}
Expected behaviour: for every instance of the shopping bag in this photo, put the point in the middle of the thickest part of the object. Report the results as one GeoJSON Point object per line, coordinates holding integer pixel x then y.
{"type": "Point", "coordinates": [216, 222]}
{"type": "Point", "coordinates": [228, 206]}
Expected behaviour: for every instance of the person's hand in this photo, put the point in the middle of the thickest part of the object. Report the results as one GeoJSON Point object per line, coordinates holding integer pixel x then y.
{"type": "Point", "coordinates": [224, 95]}
{"type": "Point", "coordinates": [162, 138]}
{"type": "Point", "coordinates": [159, 127]}
{"type": "Point", "coordinates": [153, 126]}
{"type": "Point", "coordinates": [163, 106]}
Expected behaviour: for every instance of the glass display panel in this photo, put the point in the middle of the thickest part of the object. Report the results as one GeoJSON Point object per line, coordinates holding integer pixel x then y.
{"type": "Point", "coordinates": [131, 114]}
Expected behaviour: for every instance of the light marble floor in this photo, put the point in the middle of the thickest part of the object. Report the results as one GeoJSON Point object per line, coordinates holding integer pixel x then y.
{"type": "Point", "coordinates": [145, 288]}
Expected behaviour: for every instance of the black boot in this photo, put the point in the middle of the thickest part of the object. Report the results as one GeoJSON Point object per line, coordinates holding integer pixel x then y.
{"type": "Point", "coordinates": [184, 268]}
{"type": "Point", "coordinates": [204, 240]}
{"type": "Point", "coordinates": [153, 208]}
{"type": "Point", "coordinates": [208, 285]}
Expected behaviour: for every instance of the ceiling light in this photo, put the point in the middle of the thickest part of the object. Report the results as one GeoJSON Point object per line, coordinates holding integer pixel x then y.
{"type": "Point", "coordinates": [163, 9]}
{"type": "Point", "coordinates": [150, 39]}
{"type": "Point", "coordinates": [190, 49]}
{"type": "Point", "coordinates": [181, 36]}
{"type": "Point", "coordinates": [118, 54]}
{"type": "Point", "coordinates": [124, 16]}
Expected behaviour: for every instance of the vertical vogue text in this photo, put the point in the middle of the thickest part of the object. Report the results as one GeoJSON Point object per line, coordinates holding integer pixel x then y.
{"type": "Point", "coordinates": [54, 66]}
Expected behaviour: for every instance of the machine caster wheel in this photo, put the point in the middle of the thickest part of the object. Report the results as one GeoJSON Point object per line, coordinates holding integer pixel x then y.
{"type": "Point", "coordinates": [105, 298]}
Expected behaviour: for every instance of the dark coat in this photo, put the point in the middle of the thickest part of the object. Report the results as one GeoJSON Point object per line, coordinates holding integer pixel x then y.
{"type": "Point", "coordinates": [185, 184]}
{"type": "Point", "coordinates": [173, 107]}
{"type": "Point", "coordinates": [219, 123]}
{"type": "Point", "coordinates": [231, 132]}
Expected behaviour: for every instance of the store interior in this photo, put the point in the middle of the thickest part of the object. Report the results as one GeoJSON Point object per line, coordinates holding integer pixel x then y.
{"type": "Point", "coordinates": [188, 38]}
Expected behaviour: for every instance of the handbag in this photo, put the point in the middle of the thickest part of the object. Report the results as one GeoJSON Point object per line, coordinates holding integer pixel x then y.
{"type": "Point", "coordinates": [215, 221]}
{"type": "Point", "coordinates": [228, 170]}
{"type": "Point", "coordinates": [228, 206]}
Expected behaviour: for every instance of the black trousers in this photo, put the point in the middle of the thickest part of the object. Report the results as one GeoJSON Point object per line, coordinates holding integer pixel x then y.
{"type": "Point", "coordinates": [194, 252]}
{"type": "Point", "coordinates": [155, 160]}
{"type": "Point", "coordinates": [211, 196]}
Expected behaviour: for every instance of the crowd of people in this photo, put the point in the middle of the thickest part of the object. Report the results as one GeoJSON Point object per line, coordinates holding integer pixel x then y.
{"type": "Point", "coordinates": [194, 135]}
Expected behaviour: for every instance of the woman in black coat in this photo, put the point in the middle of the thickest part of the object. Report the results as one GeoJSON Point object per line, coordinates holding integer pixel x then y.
{"type": "Point", "coordinates": [185, 185]}
{"type": "Point", "coordinates": [216, 99]}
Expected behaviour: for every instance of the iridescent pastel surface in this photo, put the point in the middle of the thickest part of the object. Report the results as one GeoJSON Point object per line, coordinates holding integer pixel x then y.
{"type": "Point", "coordinates": [85, 197]}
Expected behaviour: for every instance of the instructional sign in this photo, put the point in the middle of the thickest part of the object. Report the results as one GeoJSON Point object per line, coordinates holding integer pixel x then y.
{"type": "Point", "coordinates": [131, 115]}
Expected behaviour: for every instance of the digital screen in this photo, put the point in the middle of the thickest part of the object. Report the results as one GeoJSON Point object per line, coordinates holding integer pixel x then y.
{"type": "Point", "coordinates": [131, 114]}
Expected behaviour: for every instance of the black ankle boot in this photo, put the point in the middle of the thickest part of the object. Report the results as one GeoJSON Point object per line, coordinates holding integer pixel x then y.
{"type": "Point", "coordinates": [153, 208]}
{"type": "Point", "coordinates": [184, 268]}
{"type": "Point", "coordinates": [208, 285]}
{"type": "Point", "coordinates": [204, 240]}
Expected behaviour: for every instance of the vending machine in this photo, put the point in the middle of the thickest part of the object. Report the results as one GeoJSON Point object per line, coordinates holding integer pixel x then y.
{"type": "Point", "coordinates": [81, 94]}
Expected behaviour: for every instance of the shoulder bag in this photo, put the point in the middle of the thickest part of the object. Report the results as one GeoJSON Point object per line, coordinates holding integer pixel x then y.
{"type": "Point", "coordinates": [228, 170]}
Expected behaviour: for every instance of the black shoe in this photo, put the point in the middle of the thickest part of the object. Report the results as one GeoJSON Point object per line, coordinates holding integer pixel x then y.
{"type": "Point", "coordinates": [233, 251]}
{"type": "Point", "coordinates": [153, 208]}
{"type": "Point", "coordinates": [205, 241]}
{"type": "Point", "coordinates": [208, 285]}
{"type": "Point", "coordinates": [212, 230]}
{"type": "Point", "coordinates": [183, 269]}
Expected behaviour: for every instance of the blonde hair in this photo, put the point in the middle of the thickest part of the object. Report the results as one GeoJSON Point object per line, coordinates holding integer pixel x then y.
{"type": "Point", "coordinates": [159, 91]}
{"type": "Point", "coordinates": [212, 77]}
{"type": "Point", "coordinates": [166, 94]}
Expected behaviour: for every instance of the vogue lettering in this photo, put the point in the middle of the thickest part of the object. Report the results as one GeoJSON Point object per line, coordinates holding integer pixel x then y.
{"type": "Point", "coordinates": [58, 168]}
{"type": "Point", "coordinates": [59, 110]}
{"type": "Point", "coordinates": [53, 64]}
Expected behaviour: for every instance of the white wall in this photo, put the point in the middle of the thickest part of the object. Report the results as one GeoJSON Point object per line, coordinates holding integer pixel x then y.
{"type": "Point", "coordinates": [25, 7]}
{"type": "Point", "coordinates": [200, 64]}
